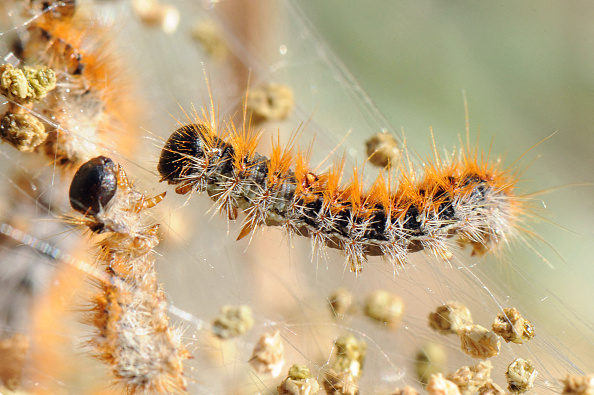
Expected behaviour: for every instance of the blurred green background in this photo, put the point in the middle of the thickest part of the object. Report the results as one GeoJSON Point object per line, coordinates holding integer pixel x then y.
{"type": "Point", "coordinates": [528, 71]}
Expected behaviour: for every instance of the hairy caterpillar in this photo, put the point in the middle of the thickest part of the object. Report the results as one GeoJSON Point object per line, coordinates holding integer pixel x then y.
{"type": "Point", "coordinates": [93, 97]}
{"type": "Point", "coordinates": [90, 100]}
{"type": "Point", "coordinates": [465, 196]}
{"type": "Point", "coordinates": [132, 334]}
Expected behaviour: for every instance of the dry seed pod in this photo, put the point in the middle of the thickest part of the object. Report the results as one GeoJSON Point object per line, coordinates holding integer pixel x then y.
{"type": "Point", "coordinates": [341, 302]}
{"type": "Point", "coordinates": [449, 318]}
{"type": "Point", "coordinates": [512, 327]}
{"type": "Point", "coordinates": [382, 150]}
{"type": "Point", "coordinates": [23, 131]}
{"type": "Point", "coordinates": [153, 13]}
{"type": "Point", "coordinates": [268, 355]}
{"type": "Point", "coordinates": [490, 388]}
{"type": "Point", "coordinates": [12, 359]}
{"type": "Point", "coordinates": [299, 382]}
{"type": "Point", "coordinates": [41, 80]}
{"type": "Point", "coordinates": [27, 84]}
{"type": "Point", "coordinates": [438, 385]}
{"type": "Point", "coordinates": [340, 383]}
{"type": "Point", "coordinates": [270, 102]}
{"type": "Point", "coordinates": [342, 377]}
{"type": "Point", "coordinates": [233, 321]}
{"type": "Point", "coordinates": [408, 390]}
{"type": "Point", "coordinates": [384, 307]}
{"type": "Point", "coordinates": [470, 378]}
{"type": "Point", "coordinates": [350, 355]}
{"type": "Point", "coordinates": [210, 37]}
{"type": "Point", "coordinates": [479, 342]}
{"type": "Point", "coordinates": [430, 360]}
{"type": "Point", "coordinates": [520, 375]}
{"type": "Point", "coordinates": [578, 385]}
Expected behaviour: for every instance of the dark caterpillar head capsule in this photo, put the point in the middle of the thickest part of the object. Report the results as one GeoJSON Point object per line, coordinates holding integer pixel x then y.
{"type": "Point", "coordinates": [94, 185]}
{"type": "Point", "coordinates": [175, 163]}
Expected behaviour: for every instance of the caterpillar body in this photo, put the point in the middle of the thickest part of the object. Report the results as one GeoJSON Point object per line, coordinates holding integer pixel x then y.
{"type": "Point", "coordinates": [131, 330]}
{"type": "Point", "coordinates": [465, 198]}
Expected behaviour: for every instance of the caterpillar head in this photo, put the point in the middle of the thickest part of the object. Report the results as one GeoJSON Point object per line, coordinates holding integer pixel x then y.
{"type": "Point", "coordinates": [101, 191]}
{"type": "Point", "coordinates": [93, 185]}
{"type": "Point", "coordinates": [186, 155]}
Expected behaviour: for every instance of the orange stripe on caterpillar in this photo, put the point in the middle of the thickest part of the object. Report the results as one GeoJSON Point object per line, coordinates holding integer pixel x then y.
{"type": "Point", "coordinates": [466, 198]}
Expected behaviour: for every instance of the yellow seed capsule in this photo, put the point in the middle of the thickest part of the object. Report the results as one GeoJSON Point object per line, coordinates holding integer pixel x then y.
{"type": "Point", "coordinates": [430, 360]}
{"type": "Point", "coordinates": [233, 321]}
{"type": "Point", "coordinates": [341, 302]}
{"type": "Point", "coordinates": [270, 102]}
{"type": "Point", "coordinates": [211, 38]}
{"type": "Point", "coordinates": [26, 85]}
{"type": "Point", "coordinates": [384, 307]}
{"type": "Point", "coordinates": [470, 379]}
{"type": "Point", "coordinates": [13, 82]}
{"type": "Point", "coordinates": [299, 382]}
{"type": "Point", "coordinates": [578, 385]}
{"type": "Point", "coordinates": [450, 317]}
{"type": "Point", "coordinates": [41, 79]}
{"type": "Point", "coordinates": [350, 354]}
{"type": "Point", "coordinates": [382, 150]}
{"type": "Point", "coordinates": [479, 342]}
